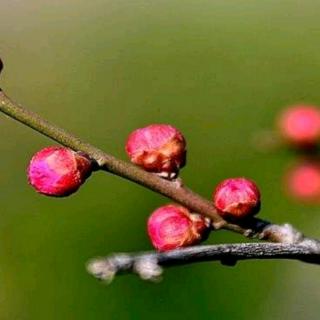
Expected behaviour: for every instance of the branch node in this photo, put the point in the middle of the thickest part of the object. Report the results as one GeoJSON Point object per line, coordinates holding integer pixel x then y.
{"type": "Point", "coordinates": [106, 269]}
{"type": "Point", "coordinates": [219, 225]}
{"type": "Point", "coordinates": [178, 182]}
{"type": "Point", "coordinates": [248, 233]}
{"type": "Point", "coordinates": [285, 233]}
{"type": "Point", "coordinates": [101, 269]}
{"type": "Point", "coordinates": [148, 269]}
{"type": "Point", "coordinates": [101, 162]}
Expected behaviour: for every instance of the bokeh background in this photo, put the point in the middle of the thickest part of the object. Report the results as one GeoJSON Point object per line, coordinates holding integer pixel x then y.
{"type": "Point", "coordinates": [218, 70]}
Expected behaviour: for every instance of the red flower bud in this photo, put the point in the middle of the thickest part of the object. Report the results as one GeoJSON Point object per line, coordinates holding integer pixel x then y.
{"type": "Point", "coordinates": [302, 181]}
{"type": "Point", "coordinates": [237, 198]}
{"type": "Point", "coordinates": [158, 148]}
{"type": "Point", "coordinates": [172, 226]}
{"type": "Point", "coordinates": [300, 125]}
{"type": "Point", "coordinates": [58, 171]}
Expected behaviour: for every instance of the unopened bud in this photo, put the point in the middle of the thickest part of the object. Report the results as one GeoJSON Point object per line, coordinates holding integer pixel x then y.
{"type": "Point", "coordinates": [237, 198]}
{"type": "Point", "coordinates": [158, 148]}
{"type": "Point", "coordinates": [172, 226]}
{"type": "Point", "coordinates": [58, 171]}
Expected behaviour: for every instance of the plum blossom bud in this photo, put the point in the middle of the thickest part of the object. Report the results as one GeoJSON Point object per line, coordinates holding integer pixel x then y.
{"type": "Point", "coordinates": [237, 198]}
{"type": "Point", "coordinates": [302, 181]}
{"type": "Point", "coordinates": [300, 125]}
{"type": "Point", "coordinates": [173, 226]}
{"type": "Point", "coordinates": [58, 171]}
{"type": "Point", "coordinates": [158, 148]}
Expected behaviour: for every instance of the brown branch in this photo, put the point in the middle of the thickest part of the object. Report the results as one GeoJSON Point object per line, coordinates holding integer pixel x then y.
{"type": "Point", "coordinates": [109, 163]}
{"type": "Point", "coordinates": [251, 228]}
{"type": "Point", "coordinates": [148, 265]}
{"type": "Point", "coordinates": [106, 162]}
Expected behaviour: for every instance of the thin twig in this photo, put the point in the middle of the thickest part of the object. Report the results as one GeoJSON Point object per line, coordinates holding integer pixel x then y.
{"type": "Point", "coordinates": [107, 162]}
{"type": "Point", "coordinates": [181, 194]}
{"type": "Point", "coordinates": [111, 164]}
{"type": "Point", "coordinates": [148, 265]}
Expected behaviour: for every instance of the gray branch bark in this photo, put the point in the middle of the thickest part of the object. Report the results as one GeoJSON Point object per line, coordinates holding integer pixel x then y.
{"type": "Point", "coordinates": [149, 265]}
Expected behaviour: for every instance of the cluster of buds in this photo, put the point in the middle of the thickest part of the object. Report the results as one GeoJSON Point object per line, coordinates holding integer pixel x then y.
{"type": "Point", "coordinates": [172, 226]}
{"type": "Point", "coordinates": [160, 149]}
{"type": "Point", "coordinates": [299, 127]}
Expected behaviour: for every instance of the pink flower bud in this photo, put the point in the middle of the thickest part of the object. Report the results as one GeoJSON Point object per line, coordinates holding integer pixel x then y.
{"type": "Point", "coordinates": [302, 181]}
{"type": "Point", "coordinates": [158, 148]}
{"type": "Point", "coordinates": [300, 125]}
{"type": "Point", "coordinates": [172, 226]}
{"type": "Point", "coordinates": [237, 198]}
{"type": "Point", "coordinates": [58, 171]}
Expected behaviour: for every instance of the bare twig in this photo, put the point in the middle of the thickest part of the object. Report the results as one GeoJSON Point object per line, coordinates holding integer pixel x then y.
{"type": "Point", "coordinates": [149, 265]}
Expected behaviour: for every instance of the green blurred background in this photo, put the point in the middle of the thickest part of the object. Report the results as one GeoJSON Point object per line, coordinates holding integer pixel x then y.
{"type": "Point", "coordinates": [219, 71]}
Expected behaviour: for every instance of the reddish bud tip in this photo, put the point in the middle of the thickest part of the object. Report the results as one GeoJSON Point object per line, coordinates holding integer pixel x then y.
{"type": "Point", "coordinates": [300, 125]}
{"type": "Point", "coordinates": [237, 198]}
{"type": "Point", "coordinates": [58, 171]}
{"type": "Point", "coordinates": [302, 182]}
{"type": "Point", "coordinates": [172, 226]}
{"type": "Point", "coordinates": [158, 148]}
